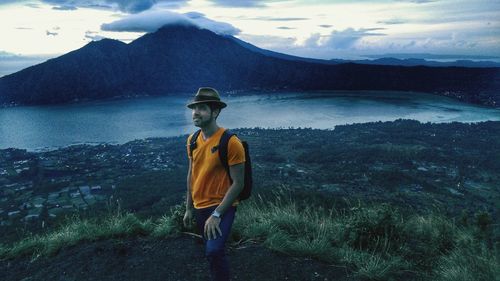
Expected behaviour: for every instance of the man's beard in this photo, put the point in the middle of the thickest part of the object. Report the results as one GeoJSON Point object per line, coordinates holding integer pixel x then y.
{"type": "Point", "coordinates": [204, 123]}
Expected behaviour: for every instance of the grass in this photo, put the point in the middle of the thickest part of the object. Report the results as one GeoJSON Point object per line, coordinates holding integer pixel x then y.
{"type": "Point", "coordinates": [375, 242]}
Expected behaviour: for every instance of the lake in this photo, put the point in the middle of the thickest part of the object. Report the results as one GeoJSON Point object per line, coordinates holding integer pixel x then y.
{"type": "Point", "coordinates": [119, 121]}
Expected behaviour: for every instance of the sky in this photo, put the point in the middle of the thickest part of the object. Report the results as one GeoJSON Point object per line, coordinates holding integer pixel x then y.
{"type": "Point", "coordinates": [33, 31]}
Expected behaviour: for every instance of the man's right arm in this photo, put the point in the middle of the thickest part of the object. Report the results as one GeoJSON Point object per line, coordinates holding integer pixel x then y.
{"type": "Point", "coordinates": [188, 215]}
{"type": "Point", "coordinates": [189, 199]}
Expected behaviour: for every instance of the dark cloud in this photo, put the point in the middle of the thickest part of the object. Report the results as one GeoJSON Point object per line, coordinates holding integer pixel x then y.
{"type": "Point", "coordinates": [325, 25]}
{"type": "Point", "coordinates": [51, 33]}
{"type": "Point", "coordinates": [348, 37]}
{"type": "Point", "coordinates": [285, 27]}
{"type": "Point", "coordinates": [128, 6]}
{"type": "Point", "coordinates": [150, 21]}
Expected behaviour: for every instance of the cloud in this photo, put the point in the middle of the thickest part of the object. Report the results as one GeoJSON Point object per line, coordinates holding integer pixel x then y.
{"type": "Point", "coordinates": [418, 1]}
{"type": "Point", "coordinates": [65, 8]}
{"type": "Point", "coordinates": [128, 6]}
{"type": "Point", "coordinates": [92, 35]}
{"type": "Point", "coordinates": [51, 33]}
{"type": "Point", "coordinates": [313, 40]}
{"type": "Point", "coordinates": [279, 19]}
{"type": "Point", "coordinates": [348, 37]}
{"type": "Point", "coordinates": [10, 63]}
{"type": "Point", "coordinates": [392, 21]}
{"type": "Point", "coordinates": [238, 3]}
{"type": "Point", "coordinates": [325, 25]}
{"type": "Point", "coordinates": [24, 28]}
{"type": "Point", "coordinates": [268, 42]}
{"type": "Point", "coordinates": [150, 21]}
{"type": "Point", "coordinates": [285, 27]}
{"type": "Point", "coordinates": [32, 5]}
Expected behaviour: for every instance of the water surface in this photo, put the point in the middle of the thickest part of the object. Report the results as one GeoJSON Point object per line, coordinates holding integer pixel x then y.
{"type": "Point", "coordinates": [119, 121]}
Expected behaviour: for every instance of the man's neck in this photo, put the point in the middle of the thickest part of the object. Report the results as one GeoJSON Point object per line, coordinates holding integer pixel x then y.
{"type": "Point", "coordinates": [209, 130]}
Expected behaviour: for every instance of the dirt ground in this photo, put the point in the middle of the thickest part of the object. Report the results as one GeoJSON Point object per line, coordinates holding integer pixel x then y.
{"type": "Point", "coordinates": [169, 259]}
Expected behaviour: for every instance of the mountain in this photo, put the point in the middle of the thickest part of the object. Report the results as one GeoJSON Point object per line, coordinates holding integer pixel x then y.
{"type": "Point", "coordinates": [377, 61]}
{"type": "Point", "coordinates": [420, 62]}
{"type": "Point", "coordinates": [181, 58]}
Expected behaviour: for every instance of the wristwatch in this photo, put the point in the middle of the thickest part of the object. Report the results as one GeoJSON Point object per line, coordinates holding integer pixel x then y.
{"type": "Point", "coordinates": [216, 214]}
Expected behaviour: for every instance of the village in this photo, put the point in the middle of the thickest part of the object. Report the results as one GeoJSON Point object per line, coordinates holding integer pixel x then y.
{"type": "Point", "coordinates": [35, 187]}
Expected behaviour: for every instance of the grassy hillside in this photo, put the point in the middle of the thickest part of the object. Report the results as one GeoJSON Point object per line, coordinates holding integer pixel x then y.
{"type": "Point", "coordinates": [399, 200]}
{"type": "Point", "coordinates": [373, 242]}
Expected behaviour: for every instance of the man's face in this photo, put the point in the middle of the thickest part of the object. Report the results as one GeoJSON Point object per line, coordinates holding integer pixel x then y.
{"type": "Point", "coordinates": [202, 115]}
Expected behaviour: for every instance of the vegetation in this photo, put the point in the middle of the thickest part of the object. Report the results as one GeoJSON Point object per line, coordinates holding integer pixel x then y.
{"type": "Point", "coordinates": [374, 241]}
{"type": "Point", "coordinates": [396, 200]}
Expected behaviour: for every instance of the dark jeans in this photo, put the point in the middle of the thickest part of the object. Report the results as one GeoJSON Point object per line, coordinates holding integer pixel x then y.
{"type": "Point", "coordinates": [215, 249]}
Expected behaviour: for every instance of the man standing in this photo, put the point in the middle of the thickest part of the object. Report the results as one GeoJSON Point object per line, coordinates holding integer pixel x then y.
{"type": "Point", "coordinates": [210, 190]}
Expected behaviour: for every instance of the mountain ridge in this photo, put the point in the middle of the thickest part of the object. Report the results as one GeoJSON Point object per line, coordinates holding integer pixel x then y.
{"type": "Point", "coordinates": [181, 58]}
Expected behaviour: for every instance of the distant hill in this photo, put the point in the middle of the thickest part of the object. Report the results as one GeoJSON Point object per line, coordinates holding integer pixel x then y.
{"type": "Point", "coordinates": [178, 59]}
{"type": "Point", "coordinates": [421, 62]}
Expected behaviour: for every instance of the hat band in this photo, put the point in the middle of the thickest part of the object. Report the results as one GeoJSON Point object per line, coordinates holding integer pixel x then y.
{"type": "Point", "coordinates": [205, 98]}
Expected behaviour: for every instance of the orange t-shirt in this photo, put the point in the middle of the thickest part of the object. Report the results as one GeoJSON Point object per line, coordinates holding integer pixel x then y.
{"type": "Point", "coordinates": [209, 180]}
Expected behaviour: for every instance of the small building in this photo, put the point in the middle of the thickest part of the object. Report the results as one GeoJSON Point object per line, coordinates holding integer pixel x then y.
{"type": "Point", "coordinates": [74, 194]}
{"type": "Point", "coordinates": [31, 217]}
{"type": "Point", "coordinates": [13, 213]}
{"type": "Point", "coordinates": [54, 212]}
{"type": "Point", "coordinates": [53, 195]}
{"type": "Point", "coordinates": [85, 189]}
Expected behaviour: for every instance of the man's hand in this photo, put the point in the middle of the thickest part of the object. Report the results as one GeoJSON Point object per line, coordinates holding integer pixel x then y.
{"type": "Point", "coordinates": [188, 217]}
{"type": "Point", "coordinates": [212, 227]}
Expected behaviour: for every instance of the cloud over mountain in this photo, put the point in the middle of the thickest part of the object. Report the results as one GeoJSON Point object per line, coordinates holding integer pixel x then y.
{"type": "Point", "coordinates": [150, 21]}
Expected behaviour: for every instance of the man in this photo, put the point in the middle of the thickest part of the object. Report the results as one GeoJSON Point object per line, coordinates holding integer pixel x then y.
{"type": "Point", "coordinates": [209, 188]}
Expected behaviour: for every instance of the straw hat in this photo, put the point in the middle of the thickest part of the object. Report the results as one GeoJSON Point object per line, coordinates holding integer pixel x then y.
{"type": "Point", "coordinates": [207, 95]}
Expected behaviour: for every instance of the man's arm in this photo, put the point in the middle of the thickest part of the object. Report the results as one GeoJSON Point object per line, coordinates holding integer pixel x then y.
{"type": "Point", "coordinates": [237, 173]}
{"type": "Point", "coordinates": [188, 215]}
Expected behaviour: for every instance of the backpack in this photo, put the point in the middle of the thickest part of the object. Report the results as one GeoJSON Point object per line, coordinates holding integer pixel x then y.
{"type": "Point", "coordinates": [222, 147]}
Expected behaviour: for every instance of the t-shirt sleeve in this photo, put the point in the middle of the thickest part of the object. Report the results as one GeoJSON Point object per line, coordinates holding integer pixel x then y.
{"type": "Point", "coordinates": [235, 151]}
{"type": "Point", "coordinates": [187, 145]}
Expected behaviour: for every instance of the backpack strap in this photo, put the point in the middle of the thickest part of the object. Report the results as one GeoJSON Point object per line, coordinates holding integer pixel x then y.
{"type": "Point", "coordinates": [223, 149]}
{"type": "Point", "coordinates": [192, 143]}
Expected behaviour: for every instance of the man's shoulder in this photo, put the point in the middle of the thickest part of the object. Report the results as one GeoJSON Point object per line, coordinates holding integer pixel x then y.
{"type": "Point", "coordinates": [190, 136]}
{"type": "Point", "coordinates": [235, 143]}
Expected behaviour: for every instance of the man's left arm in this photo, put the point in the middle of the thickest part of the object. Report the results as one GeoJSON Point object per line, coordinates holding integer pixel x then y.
{"type": "Point", "coordinates": [237, 173]}
{"type": "Point", "coordinates": [236, 161]}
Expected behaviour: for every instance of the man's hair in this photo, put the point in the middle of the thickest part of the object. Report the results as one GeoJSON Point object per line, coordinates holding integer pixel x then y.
{"type": "Point", "coordinates": [213, 106]}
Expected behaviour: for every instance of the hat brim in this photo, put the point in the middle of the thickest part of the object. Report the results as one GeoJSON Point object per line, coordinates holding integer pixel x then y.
{"type": "Point", "coordinates": [221, 104]}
